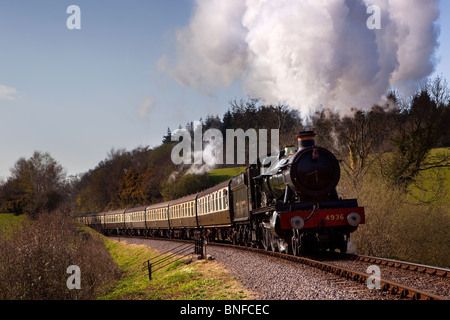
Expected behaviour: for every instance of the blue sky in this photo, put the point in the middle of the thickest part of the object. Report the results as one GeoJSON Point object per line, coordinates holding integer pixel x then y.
{"type": "Point", "coordinates": [78, 93]}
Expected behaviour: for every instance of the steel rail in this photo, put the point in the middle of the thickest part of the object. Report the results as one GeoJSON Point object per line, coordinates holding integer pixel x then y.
{"type": "Point", "coordinates": [421, 268]}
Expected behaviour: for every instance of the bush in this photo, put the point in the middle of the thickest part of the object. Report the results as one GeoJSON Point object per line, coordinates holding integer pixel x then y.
{"type": "Point", "coordinates": [34, 260]}
{"type": "Point", "coordinates": [399, 227]}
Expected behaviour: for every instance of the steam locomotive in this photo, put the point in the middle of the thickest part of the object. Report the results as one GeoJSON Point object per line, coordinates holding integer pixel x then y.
{"type": "Point", "coordinates": [287, 203]}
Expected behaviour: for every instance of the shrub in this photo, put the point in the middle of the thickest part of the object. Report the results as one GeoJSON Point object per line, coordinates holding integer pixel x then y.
{"type": "Point", "coordinates": [397, 226]}
{"type": "Point", "coordinates": [34, 260]}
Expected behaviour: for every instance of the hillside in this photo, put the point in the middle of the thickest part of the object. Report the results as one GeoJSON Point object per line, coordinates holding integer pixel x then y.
{"type": "Point", "coordinates": [219, 175]}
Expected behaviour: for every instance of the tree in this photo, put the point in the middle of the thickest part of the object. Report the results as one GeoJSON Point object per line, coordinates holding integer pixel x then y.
{"type": "Point", "coordinates": [130, 192]}
{"type": "Point", "coordinates": [168, 137]}
{"type": "Point", "coordinates": [35, 185]}
{"type": "Point", "coordinates": [421, 129]}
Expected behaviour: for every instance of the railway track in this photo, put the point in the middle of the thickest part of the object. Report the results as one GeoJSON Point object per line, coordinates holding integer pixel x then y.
{"type": "Point", "coordinates": [420, 268]}
{"type": "Point", "coordinates": [337, 265]}
{"type": "Point", "coordinates": [396, 289]}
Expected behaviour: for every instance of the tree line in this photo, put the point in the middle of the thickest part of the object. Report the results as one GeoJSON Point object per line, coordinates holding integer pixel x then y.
{"type": "Point", "coordinates": [396, 137]}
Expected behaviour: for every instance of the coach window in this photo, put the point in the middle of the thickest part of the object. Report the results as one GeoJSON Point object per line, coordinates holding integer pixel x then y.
{"type": "Point", "coordinates": [216, 204]}
{"type": "Point", "coordinates": [225, 200]}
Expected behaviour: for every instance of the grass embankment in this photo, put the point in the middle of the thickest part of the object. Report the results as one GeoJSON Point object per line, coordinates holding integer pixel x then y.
{"type": "Point", "coordinates": [199, 280]}
{"type": "Point", "coordinates": [9, 221]}
{"type": "Point", "coordinates": [219, 175]}
{"type": "Point", "coordinates": [433, 185]}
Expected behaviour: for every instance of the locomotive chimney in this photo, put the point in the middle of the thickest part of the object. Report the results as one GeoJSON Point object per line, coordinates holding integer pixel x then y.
{"type": "Point", "coordinates": [306, 140]}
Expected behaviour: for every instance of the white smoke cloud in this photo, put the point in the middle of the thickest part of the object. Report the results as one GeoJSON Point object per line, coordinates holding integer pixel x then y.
{"type": "Point", "coordinates": [7, 93]}
{"type": "Point", "coordinates": [307, 53]}
{"type": "Point", "coordinates": [146, 108]}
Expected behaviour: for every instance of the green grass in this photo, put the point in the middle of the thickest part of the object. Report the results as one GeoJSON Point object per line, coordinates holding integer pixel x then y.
{"type": "Point", "coordinates": [219, 175]}
{"type": "Point", "coordinates": [9, 221]}
{"type": "Point", "coordinates": [433, 185]}
{"type": "Point", "coordinates": [200, 280]}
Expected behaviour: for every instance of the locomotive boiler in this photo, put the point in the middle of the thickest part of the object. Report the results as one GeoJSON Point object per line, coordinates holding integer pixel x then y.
{"type": "Point", "coordinates": [309, 174]}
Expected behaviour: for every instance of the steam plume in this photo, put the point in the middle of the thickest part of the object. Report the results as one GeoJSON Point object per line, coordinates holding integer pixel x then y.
{"type": "Point", "coordinates": [307, 53]}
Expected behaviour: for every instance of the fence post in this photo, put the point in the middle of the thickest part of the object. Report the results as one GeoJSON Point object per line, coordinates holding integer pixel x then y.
{"type": "Point", "coordinates": [200, 246]}
{"type": "Point", "coordinates": [149, 267]}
